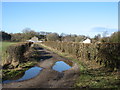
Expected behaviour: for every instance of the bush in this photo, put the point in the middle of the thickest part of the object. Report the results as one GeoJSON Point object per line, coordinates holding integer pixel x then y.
{"type": "Point", "coordinates": [103, 53]}
{"type": "Point", "coordinates": [15, 54]}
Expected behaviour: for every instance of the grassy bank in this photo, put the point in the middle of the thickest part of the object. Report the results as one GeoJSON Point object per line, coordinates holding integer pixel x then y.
{"type": "Point", "coordinates": [92, 75]}
{"type": "Point", "coordinates": [4, 45]}
{"type": "Point", "coordinates": [9, 74]}
{"type": "Point", "coordinates": [9, 71]}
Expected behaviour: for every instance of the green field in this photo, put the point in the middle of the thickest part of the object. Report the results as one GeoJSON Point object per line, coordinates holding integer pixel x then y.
{"type": "Point", "coordinates": [4, 45]}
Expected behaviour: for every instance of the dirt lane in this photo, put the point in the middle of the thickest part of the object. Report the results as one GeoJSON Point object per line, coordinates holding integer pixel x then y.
{"type": "Point", "coordinates": [49, 78]}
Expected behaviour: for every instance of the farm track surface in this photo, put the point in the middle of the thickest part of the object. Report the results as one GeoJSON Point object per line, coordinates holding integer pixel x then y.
{"type": "Point", "coordinates": [49, 78]}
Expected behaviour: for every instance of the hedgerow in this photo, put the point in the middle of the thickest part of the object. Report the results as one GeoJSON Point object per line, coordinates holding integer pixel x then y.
{"type": "Point", "coordinates": [107, 54]}
{"type": "Point", "coordinates": [14, 54]}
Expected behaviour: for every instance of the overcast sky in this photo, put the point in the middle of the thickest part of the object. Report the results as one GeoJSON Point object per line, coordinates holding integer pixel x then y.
{"type": "Point", "coordinates": [84, 18]}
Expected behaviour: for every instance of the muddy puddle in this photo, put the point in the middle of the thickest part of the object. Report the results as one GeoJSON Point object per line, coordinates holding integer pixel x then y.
{"type": "Point", "coordinates": [28, 74]}
{"type": "Point", "coordinates": [61, 66]}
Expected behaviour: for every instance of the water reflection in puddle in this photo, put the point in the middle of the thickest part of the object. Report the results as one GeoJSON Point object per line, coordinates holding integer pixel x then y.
{"type": "Point", "coordinates": [61, 66]}
{"type": "Point", "coordinates": [30, 73]}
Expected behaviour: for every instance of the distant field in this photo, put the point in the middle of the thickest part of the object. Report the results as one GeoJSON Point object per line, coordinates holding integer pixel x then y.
{"type": "Point", "coordinates": [4, 45]}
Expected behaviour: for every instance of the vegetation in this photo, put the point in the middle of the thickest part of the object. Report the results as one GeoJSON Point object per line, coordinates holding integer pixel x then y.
{"type": "Point", "coordinates": [17, 57]}
{"type": "Point", "coordinates": [15, 54]}
{"type": "Point", "coordinates": [115, 37]}
{"type": "Point", "coordinates": [52, 37]}
{"type": "Point", "coordinates": [28, 33]}
{"type": "Point", "coordinates": [3, 48]}
{"type": "Point", "coordinates": [4, 36]}
{"type": "Point", "coordinates": [92, 75]}
{"type": "Point", "coordinates": [8, 74]}
{"type": "Point", "coordinates": [98, 78]}
{"type": "Point", "coordinates": [106, 54]}
{"type": "Point", "coordinates": [4, 45]}
{"type": "Point", "coordinates": [20, 51]}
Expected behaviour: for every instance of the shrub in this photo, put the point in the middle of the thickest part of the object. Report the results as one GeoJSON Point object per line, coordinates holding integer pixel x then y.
{"type": "Point", "coordinates": [15, 54]}
{"type": "Point", "coordinates": [103, 53]}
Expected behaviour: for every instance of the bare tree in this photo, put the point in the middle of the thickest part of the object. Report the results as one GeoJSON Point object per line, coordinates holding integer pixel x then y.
{"type": "Point", "coordinates": [52, 37]}
{"type": "Point", "coordinates": [105, 33]}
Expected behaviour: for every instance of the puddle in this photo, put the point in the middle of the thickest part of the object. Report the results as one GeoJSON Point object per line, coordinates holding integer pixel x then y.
{"type": "Point", "coordinates": [61, 66]}
{"type": "Point", "coordinates": [30, 73]}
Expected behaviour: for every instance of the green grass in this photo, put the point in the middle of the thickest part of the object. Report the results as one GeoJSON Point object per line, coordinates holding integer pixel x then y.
{"type": "Point", "coordinates": [4, 45]}
{"type": "Point", "coordinates": [98, 78]}
{"type": "Point", "coordinates": [12, 73]}
{"type": "Point", "coordinates": [3, 48]}
{"type": "Point", "coordinates": [92, 77]}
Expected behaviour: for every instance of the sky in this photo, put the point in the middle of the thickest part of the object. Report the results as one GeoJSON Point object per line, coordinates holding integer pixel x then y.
{"type": "Point", "coordinates": [60, 0]}
{"type": "Point", "coordinates": [81, 18]}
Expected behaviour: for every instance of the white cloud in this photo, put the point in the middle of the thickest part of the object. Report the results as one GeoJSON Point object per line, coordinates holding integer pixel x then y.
{"type": "Point", "coordinates": [101, 30]}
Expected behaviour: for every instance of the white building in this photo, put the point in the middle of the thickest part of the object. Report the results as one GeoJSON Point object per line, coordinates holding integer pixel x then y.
{"type": "Point", "coordinates": [87, 40]}
{"type": "Point", "coordinates": [33, 39]}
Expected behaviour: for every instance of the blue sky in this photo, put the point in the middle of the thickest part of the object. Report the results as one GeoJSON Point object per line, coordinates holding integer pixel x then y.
{"type": "Point", "coordinates": [81, 18]}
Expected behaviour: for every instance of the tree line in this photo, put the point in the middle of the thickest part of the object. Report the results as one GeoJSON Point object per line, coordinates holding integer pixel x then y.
{"type": "Point", "coordinates": [49, 36]}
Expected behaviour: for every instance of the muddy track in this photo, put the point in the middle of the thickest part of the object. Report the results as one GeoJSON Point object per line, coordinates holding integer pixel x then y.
{"type": "Point", "coordinates": [49, 78]}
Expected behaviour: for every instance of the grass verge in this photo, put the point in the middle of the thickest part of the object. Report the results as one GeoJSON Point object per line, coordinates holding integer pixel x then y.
{"type": "Point", "coordinates": [3, 47]}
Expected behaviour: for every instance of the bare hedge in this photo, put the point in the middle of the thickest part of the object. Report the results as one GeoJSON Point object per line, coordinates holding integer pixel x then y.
{"type": "Point", "coordinates": [15, 53]}
{"type": "Point", "coordinates": [107, 54]}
